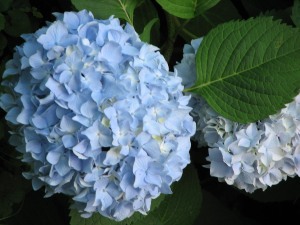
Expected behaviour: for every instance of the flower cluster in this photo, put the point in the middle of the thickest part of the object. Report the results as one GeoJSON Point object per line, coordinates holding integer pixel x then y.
{"type": "Point", "coordinates": [97, 115]}
{"type": "Point", "coordinates": [248, 156]}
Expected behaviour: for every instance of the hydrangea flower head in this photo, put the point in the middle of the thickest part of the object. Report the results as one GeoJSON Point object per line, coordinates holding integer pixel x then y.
{"type": "Point", "coordinates": [249, 156]}
{"type": "Point", "coordinates": [97, 115]}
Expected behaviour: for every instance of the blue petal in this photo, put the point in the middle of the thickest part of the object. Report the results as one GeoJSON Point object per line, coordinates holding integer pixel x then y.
{"type": "Point", "coordinates": [69, 141]}
{"type": "Point", "coordinates": [112, 156]}
{"type": "Point", "coordinates": [34, 146]}
{"type": "Point", "coordinates": [74, 162]}
{"type": "Point", "coordinates": [53, 157]}
{"type": "Point", "coordinates": [68, 125]}
{"type": "Point", "coordinates": [36, 60]}
{"type": "Point", "coordinates": [71, 20]}
{"type": "Point", "coordinates": [111, 52]}
{"type": "Point", "coordinates": [55, 33]}
{"type": "Point", "coordinates": [62, 167]}
{"type": "Point", "coordinates": [7, 101]}
{"type": "Point", "coordinates": [104, 198]}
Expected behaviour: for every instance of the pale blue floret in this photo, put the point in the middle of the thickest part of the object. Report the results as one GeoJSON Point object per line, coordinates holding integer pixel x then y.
{"type": "Point", "coordinates": [248, 156]}
{"type": "Point", "coordinates": [97, 114]}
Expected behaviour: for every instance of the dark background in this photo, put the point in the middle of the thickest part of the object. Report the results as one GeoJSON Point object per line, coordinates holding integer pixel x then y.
{"type": "Point", "coordinates": [222, 204]}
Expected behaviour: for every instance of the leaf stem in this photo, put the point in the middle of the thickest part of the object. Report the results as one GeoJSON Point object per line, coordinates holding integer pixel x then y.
{"type": "Point", "coordinates": [190, 34]}
{"type": "Point", "coordinates": [126, 13]}
{"type": "Point", "coordinates": [207, 20]}
{"type": "Point", "coordinates": [189, 89]}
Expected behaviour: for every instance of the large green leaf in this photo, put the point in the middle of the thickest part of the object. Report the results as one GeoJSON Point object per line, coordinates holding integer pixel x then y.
{"type": "Point", "coordinates": [296, 13]}
{"type": "Point", "coordinates": [182, 207]}
{"type": "Point", "coordinates": [247, 70]}
{"type": "Point", "coordinates": [187, 9]}
{"type": "Point", "coordinates": [146, 35]}
{"type": "Point", "coordinates": [103, 9]}
{"type": "Point", "coordinates": [281, 14]}
{"type": "Point", "coordinates": [97, 219]}
{"type": "Point", "coordinates": [201, 25]}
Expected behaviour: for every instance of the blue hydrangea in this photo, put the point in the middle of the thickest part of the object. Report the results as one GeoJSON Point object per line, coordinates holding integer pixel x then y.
{"type": "Point", "coordinates": [249, 156]}
{"type": "Point", "coordinates": [97, 114]}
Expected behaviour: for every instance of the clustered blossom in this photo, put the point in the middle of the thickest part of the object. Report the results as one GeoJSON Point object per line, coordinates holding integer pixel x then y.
{"type": "Point", "coordinates": [248, 156]}
{"type": "Point", "coordinates": [97, 115]}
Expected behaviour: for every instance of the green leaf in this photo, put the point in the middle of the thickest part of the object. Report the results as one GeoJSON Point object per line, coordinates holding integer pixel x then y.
{"type": "Point", "coordinates": [248, 70]}
{"type": "Point", "coordinates": [2, 22]}
{"type": "Point", "coordinates": [146, 35]}
{"type": "Point", "coordinates": [103, 9]}
{"type": "Point", "coordinates": [187, 9]}
{"type": "Point", "coordinates": [138, 217]}
{"type": "Point", "coordinates": [281, 14]}
{"type": "Point", "coordinates": [143, 14]}
{"type": "Point", "coordinates": [296, 13]}
{"type": "Point", "coordinates": [97, 219]}
{"type": "Point", "coordinates": [182, 207]}
{"type": "Point", "coordinates": [201, 25]}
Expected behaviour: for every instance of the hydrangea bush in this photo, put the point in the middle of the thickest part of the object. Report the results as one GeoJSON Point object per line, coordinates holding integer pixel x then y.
{"type": "Point", "coordinates": [249, 156]}
{"type": "Point", "coordinates": [97, 115]}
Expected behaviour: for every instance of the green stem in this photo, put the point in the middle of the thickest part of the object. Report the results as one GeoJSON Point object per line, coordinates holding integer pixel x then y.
{"type": "Point", "coordinates": [180, 25]}
{"type": "Point", "coordinates": [190, 34]}
{"type": "Point", "coordinates": [189, 89]}
{"type": "Point", "coordinates": [129, 19]}
{"type": "Point", "coordinates": [208, 20]}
